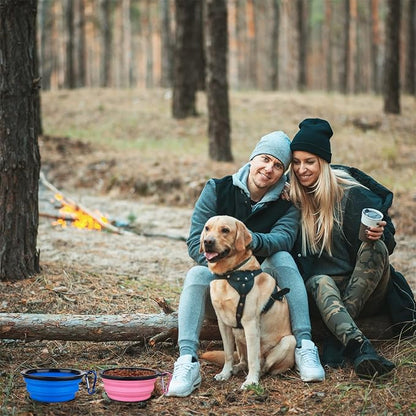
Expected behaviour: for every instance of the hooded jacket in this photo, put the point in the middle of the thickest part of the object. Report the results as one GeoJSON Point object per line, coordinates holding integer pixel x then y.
{"type": "Point", "coordinates": [273, 222]}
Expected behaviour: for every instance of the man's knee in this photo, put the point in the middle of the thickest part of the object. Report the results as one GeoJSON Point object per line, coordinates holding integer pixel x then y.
{"type": "Point", "coordinates": [198, 275]}
{"type": "Point", "coordinates": [278, 260]}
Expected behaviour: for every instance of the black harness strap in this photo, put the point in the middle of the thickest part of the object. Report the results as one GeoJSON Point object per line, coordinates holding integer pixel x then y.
{"type": "Point", "coordinates": [242, 281]}
{"type": "Point", "coordinates": [276, 295]}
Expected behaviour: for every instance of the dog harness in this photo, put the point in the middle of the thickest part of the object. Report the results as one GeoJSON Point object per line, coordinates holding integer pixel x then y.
{"type": "Point", "coordinates": [242, 281]}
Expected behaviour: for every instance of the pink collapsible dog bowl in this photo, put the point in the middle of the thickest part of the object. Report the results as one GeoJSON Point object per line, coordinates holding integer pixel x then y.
{"type": "Point", "coordinates": [130, 384]}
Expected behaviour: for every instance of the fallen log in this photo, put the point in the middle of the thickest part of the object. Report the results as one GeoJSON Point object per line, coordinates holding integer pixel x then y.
{"type": "Point", "coordinates": [98, 328]}
{"type": "Point", "coordinates": [149, 327]}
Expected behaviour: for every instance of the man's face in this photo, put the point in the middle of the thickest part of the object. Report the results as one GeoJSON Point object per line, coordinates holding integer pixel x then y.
{"type": "Point", "coordinates": [265, 171]}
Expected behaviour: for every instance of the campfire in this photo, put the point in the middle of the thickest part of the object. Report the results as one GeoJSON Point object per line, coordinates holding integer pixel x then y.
{"type": "Point", "coordinates": [77, 217]}
{"type": "Point", "coordinates": [73, 213]}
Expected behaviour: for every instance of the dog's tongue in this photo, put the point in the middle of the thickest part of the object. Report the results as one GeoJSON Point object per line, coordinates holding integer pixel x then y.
{"type": "Point", "coordinates": [210, 255]}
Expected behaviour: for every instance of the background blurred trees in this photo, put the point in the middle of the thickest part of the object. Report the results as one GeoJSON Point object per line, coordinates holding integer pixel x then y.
{"type": "Point", "coordinates": [304, 44]}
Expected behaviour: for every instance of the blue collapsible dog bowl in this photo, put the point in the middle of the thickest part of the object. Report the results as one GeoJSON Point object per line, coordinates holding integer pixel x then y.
{"type": "Point", "coordinates": [54, 385]}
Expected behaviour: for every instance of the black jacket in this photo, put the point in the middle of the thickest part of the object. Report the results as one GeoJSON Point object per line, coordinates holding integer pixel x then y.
{"type": "Point", "coordinates": [400, 299]}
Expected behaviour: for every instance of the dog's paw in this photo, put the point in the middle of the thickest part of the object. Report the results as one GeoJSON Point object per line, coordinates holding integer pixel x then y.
{"type": "Point", "coordinates": [222, 376]}
{"type": "Point", "coordinates": [249, 384]}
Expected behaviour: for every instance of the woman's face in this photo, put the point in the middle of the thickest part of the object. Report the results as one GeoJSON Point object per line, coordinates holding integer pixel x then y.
{"type": "Point", "coordinates": [306, 167]}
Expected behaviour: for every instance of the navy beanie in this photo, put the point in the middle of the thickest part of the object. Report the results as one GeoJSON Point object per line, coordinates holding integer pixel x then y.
{"type": "Point", "coordinates": [313, 137]}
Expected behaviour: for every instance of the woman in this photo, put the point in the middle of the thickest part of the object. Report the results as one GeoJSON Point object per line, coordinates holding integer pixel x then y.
{"type": "Point", "coordinates": [346, 277]}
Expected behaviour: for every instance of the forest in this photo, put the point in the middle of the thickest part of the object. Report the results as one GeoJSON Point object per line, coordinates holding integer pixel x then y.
{"type": "Point", "coordinates": [331, 45]}
{"type": "Point", "coordinates": [125, 108]}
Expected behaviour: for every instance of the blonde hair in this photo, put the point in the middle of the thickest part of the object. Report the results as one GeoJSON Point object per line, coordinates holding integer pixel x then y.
{"type": "Point", "coordinates": [320, 206]}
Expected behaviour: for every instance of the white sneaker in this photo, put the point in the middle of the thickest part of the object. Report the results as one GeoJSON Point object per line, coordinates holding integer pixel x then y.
{"type": "Point", "coordinates": [186, 377]}
{"type": "Point", "coordinates": [307, 362]}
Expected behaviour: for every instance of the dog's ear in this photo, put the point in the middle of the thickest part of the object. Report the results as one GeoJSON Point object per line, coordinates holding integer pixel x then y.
{"type": "Point", "coordinates": [201, 241]}
{"type": "Point", "coordinates": [243, 236]}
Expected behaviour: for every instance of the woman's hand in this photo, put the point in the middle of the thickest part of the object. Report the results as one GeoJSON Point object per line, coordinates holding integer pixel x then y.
{"type": "Point", "coordinates": [375, 233]}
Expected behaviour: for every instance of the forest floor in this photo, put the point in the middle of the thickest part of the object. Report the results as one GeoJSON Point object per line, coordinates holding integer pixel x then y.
{"type": "Point", "coordinates": [152, 192]}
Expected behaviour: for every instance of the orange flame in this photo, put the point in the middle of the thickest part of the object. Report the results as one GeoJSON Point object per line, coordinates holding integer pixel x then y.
{"type": "Point", "coordinates": [78, 217]}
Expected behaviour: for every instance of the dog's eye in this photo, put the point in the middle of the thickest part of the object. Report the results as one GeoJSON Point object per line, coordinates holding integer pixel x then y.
{"type": "Point", "coordinates": [225, 230]}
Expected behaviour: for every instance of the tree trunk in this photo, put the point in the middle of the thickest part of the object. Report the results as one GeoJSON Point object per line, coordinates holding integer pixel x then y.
{"type": "Point", "coordinates": [166, 44]}
{"type": "Point", "coordinates": [302, 44]}
{"type": "Point", "coordinates": [391, 87]}
{"type": "Point", "coordinates": [375, 46]}
{"type": "Point", "coordinates": [353, 54]}
{"type": "Point", "coordinates": [410, 77]}
{"type": "Point", "coordinates": [327, 32]}
{"type": "Point", "coordinates": [101, 328]}
{"type": "Point", "coordinates": [19, 151]}
{"type": "Point", "coordinates": [69, 73]}
{"type": "Point", "coordinates": [273, 72]}
{"type": "Point", "coordinates": [106, 42]}
{"type": "Point", "coordinates": [45, 44]}
{"type": "Point", "coordinates": [252, 43]}
{"type": "Point", "coordinates": [344, 73]}
{"type": "Point", "coordinates": [184, 76]}
{"type": "Point", "coordinates": [149, 46]}
{"type": "Point", "coordinates": [79, 44]}
{"type": "Point", "coordinates": [217, 85]}
{"type": "Point", "coordinates": [242, 50]}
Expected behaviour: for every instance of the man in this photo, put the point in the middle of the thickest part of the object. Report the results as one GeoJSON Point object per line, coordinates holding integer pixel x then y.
{"type": "Point", "coordinates": [251, 195]}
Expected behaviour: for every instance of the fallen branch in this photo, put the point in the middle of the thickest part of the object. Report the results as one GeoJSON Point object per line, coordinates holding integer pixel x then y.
{"type": "Point", "coordinates": [57, 216]}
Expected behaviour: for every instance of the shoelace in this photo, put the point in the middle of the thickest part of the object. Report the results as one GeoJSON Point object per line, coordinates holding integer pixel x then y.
{"type": "Point", "coordinates": [182, 370]}
{"type": "Point", "coordinates": [309, 357]}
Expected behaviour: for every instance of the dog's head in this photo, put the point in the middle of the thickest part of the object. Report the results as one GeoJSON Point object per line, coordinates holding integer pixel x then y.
{"type": "Point", "coordinates": [224, 240]}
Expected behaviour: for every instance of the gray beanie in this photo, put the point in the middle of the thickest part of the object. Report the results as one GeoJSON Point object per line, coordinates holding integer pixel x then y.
{"type": "Point", "coordinates": [276, 144]}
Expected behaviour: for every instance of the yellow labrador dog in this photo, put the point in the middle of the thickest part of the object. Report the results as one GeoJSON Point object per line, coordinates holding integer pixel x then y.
{"type": "Point", "coordinates": [252, 311]}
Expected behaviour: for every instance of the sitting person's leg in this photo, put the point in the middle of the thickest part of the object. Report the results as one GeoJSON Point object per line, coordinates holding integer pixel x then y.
{"type": "Point", "coordinates": [192, 306]}
{"type": "Point", "coordinates": [367, 286]}
{"type": "Point", "coordinates": [283, 268]}
{"type": "Point", "coordinates": [367, 363]}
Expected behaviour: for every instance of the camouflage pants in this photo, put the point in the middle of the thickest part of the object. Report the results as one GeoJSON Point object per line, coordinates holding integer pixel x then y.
{"type": "Point", "coordinates": [341, 299]}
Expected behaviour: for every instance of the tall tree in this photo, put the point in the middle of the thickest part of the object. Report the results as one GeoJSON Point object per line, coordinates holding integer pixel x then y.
{"type": "Point", "coordinates": [242, 41]}
{"type": "Point", "coordinates": [19, 151]}
{"type": "Point", "coordinates": [149, 47]}
{"type": "Point", "coordinates": [410, 73]}
{"type": "Point", "coordinates": [79, 44]}
{"type": "Point", "coordinates": [273, 71]}
{"type": "Point", "coordinates": [327, 44]}
{"type": "Point", "coordinates": [302, 43]}
{"type": "Point", "coordinates": [375, 46]}
{"type": "Point", "coordinates": [391, 87]}
{"type": "Point", "coordinates": [166, 44]}
{"type": "Point", "coordinates": [44, 46]}
{"type": "Point", "coordinates": [344, 73]}
{"type": "Point", "coordinates": [184, 74]}
{"type": "Point", "coordinates": [219, 126]}
{"type": "Point", "coordinates": [104, 18]}
{"type": "Point", "coordinates": [69, 69]}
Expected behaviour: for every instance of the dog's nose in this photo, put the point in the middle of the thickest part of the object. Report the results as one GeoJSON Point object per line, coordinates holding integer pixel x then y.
{"type": "Point", "coordinates": [209, 242]}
